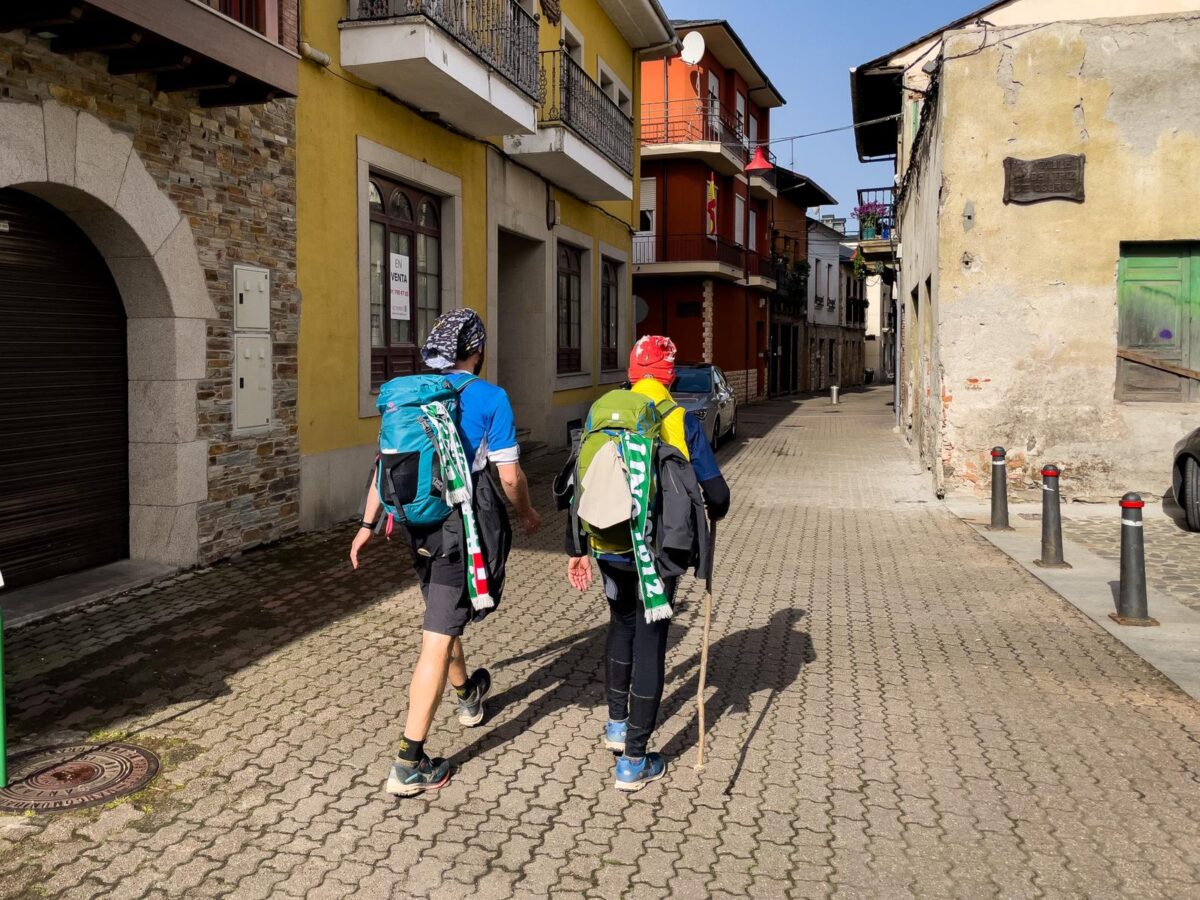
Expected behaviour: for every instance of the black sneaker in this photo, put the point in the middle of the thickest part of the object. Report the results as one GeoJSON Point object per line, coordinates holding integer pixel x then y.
{"type": "Point", "coordinates": [407, 780]}
{"type": "Point", "coordinates": [470, 709]}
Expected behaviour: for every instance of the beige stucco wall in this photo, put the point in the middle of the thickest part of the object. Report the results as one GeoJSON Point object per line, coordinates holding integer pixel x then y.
{"type": "Point", "coordinates": [1025, 295]}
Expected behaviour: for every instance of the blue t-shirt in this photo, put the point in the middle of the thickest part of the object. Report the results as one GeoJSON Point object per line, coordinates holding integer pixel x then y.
{"type": "Point", "coordinates": [704, 463]}
{"type": "Point", "coordinates": [486, 422]}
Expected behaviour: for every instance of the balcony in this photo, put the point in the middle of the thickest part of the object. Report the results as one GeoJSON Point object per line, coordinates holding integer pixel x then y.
{"type": "Point", "coordinates": [584, 142]}
{"type": "Point", "coordinates": [228, 52]}
{"type": "Point", "coordinates": [696, 129]}
{"type": "Point", "coordinates": [688, 254]}
{"type": "Point", "coordinates": [880, 242]}
{"type": "Point", "coordinates": [471, 63]}
{"type": "Point", "coordinates": [761, 271]}
{"type": "Point", "coordinates": [763, 184]}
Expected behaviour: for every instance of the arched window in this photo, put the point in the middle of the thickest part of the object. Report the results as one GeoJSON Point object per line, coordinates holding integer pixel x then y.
{"type": "Point", "coordinates": [401, 209]}
{"type": "Point", "coordinates": [570, 315]}
{"type": "Point", "coordinates": [405, 270]}
{"type": "Point", "coordinates": [609, 315]}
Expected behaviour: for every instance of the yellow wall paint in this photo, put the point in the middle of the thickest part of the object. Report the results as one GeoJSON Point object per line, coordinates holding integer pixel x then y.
{"type": "Point", "coordinates": [333, 109]}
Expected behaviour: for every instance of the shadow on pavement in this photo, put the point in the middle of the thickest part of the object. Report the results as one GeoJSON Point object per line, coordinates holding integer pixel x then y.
{"type": "Point", "coordinates": [740, 665]}
{"type": "Point", "coordinates": [180, 640]}
{"type": "Point", "coordinates": [575, 670]}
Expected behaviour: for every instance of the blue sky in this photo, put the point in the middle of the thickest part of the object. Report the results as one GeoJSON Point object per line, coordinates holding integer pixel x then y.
{"type": "Point", "coordinates": [807, 48]}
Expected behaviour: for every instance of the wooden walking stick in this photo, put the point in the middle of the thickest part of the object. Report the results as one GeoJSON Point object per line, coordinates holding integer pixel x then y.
{"type": "Point", "coordinates": [708, 605]}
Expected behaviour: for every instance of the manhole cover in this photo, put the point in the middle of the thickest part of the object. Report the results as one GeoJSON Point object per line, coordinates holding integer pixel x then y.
{"type": "Point", "coordinates": [55, 779]}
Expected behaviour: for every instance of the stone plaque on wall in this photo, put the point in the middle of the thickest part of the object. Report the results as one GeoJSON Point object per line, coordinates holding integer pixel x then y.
{"type": "Point", "coordinates": [1050, 178]}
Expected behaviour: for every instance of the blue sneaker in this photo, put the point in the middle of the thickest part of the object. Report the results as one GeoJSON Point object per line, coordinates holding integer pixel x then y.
{"type": "Point", "coordinates": [614, 736]}
{"type": "Point", "coordinates": [633, 775]}
{"type": "Point", "coordinates": [408, 780]}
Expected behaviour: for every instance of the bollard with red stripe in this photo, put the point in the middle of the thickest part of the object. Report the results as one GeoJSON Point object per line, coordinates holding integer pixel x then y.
{"type": "Point", "coordinates": [999, 491]}
{"type": "Point", "coordinates": [1052, 548]}
{"type": "Point", "coordinates": [1132, 608]}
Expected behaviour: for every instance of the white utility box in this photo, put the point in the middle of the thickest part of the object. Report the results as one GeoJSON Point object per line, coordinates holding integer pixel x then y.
{"type": "Point", "coordinates": [251, 381]}
{"type": "Point", "coordinates": [251, 298]}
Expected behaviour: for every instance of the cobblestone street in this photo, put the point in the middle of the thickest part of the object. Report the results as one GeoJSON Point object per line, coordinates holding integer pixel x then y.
{"type": "Point", "coordinates": [895, 709]}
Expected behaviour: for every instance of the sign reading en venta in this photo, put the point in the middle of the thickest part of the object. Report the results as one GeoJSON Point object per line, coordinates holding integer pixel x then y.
{"type": "Point", "coordinates": [1050, 178]}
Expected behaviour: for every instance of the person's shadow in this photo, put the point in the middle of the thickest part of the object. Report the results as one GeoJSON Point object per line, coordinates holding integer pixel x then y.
{"type": "Point", "coordinates": [740, 665]}
{"type": "Point", "coordinates": [573, 675]}
{"type": "Point", "coordinates": [573, 668]}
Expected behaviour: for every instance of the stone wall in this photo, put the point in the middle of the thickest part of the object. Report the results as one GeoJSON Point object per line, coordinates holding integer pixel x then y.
{"type": "Point", "coordinates": [231, 173]}
{"type": "Point", "coordinates": [745, 385]}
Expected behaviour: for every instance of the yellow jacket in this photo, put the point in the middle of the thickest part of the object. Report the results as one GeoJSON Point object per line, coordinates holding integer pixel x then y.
{"type": "Point", "coordinates": [674, 431]}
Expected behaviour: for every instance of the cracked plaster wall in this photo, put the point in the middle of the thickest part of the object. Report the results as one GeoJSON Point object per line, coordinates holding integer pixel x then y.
{"type": "Point", "coordinates": [1025, 295]}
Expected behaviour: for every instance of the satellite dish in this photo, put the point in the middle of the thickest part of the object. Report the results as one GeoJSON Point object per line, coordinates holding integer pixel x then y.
{"type": "Point", "coordinates": [641, 309]}
{"type": "Point", "coordinates": [693, 48]}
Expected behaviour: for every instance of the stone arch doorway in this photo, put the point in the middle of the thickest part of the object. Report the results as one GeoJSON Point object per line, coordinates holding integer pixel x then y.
{"type": "Point", "coordinates": [93, 175]}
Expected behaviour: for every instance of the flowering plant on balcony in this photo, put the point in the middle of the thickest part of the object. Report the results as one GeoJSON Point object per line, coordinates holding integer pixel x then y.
{"type": "Point", "coordinates": [869, 214]}
{"type": "Point", "coordinates": [861, 267]}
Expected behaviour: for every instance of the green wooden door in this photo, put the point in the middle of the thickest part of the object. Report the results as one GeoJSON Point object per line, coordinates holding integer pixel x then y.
{"type": "Point", "coordinates": [1158, 297]}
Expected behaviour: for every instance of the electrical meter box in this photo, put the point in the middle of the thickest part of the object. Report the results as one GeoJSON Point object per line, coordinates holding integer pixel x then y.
{"type": "Point", "coordinates": [251, 298]}
{"type": "Point", "coordinates": [251, 381]}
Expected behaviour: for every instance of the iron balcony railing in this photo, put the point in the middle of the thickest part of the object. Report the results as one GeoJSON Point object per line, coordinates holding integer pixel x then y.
{"type": "Point", "coordinates": [652, 248]}
{"type": "Point", "coordinates": [693, 121]}
{"type": "Point", "coordinates": [500, 32]}
{"type": "Point", "coordinates": [758, 265]}
{"type": "Point", "coordinates": [573, 99]}
{"type": "Point", "coordinates": [886, 227]}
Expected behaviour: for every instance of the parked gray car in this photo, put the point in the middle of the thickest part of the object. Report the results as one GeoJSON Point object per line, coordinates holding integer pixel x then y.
{"type": "Point", "coordinates": [704, 390]}
{"type": "Point", "coordinates": [1185, 478]}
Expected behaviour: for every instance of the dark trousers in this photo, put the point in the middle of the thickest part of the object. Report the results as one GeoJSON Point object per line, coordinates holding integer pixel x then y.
{"type": "Point", "coordinates": [636, 657]}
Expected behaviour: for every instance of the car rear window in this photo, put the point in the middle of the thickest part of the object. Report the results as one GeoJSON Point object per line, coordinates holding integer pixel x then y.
{"type": "Point", "coordinates": [693, 381]}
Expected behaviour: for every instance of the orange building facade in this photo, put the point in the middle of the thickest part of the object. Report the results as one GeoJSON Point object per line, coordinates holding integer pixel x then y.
{"type": "Point", "coordinates": [703, 264]}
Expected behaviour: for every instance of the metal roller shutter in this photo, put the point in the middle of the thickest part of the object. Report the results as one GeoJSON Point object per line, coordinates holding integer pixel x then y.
{"type": "Point", "coordinates": [64, 443]}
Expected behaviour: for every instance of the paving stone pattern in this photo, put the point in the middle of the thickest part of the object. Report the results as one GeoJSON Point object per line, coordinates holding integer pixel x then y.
{"type": "Point", "coordinates": [1172, 552]}
{"type": "Point", "coordinates": [896, 710]}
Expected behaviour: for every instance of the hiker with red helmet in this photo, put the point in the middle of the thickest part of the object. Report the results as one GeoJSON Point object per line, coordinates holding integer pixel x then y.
{"type": "Point", "coordinates": [637, 633]}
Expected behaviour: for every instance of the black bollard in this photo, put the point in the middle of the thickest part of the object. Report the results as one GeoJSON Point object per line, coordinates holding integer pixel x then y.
{"type": "Point", "coordinates": [999, 491]}
{"type": "Point", "coordinates": [1052, 549]}
{"type": "Point", "coordinates": [1131, 603]}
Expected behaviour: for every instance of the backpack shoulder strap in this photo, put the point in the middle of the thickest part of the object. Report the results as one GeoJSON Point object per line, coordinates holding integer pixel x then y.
{"type": "Point", "coordinates": [666, 407]}
{"type": "Point", "coordinates": [462, 384]}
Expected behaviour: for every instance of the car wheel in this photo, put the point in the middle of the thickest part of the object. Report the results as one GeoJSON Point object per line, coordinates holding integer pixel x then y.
{"type": "Point", "coordinates": [716, 435]}
{"type": "Point", "coordinates": [1191, 492]}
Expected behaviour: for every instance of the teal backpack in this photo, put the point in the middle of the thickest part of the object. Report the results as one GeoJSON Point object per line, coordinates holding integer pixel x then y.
{"type": "Point", "coordinates": [409, 472]}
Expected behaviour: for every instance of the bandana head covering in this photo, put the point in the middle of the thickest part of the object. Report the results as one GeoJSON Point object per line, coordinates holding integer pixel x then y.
{"type": "Point", "coordinates": [653, 357]}
{"type": "Point", "coordinates": [455, 334]}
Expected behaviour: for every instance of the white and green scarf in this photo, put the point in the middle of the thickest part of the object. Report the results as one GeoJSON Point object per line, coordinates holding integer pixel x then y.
{"type": "Point", "coordinates": [638, 453]}
{"type": "Point", "coordinates": [457, 474]}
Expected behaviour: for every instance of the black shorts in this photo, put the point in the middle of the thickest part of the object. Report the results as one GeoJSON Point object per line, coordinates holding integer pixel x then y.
{"type": "Point", "coordinates": [442, 571]}
{"type": "Point", "coordinates": [440, 560]}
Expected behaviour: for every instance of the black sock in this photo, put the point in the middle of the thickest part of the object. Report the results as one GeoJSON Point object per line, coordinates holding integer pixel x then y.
{"type": "Point", "coordinates": [464, 691]}
{"type": "Point", "coordinates": [410, 751]}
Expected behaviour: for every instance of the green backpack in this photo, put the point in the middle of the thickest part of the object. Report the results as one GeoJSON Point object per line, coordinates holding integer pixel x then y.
{"type": "Point", "coordinates": [616, 412]}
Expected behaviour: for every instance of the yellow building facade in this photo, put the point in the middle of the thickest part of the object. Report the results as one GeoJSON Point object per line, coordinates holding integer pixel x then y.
{"type": "Point", "coordinates": [454, 154]}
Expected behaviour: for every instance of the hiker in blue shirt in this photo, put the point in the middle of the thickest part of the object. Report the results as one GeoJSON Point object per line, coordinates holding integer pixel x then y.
{"type": "Point", "coordinates": [455, 346]}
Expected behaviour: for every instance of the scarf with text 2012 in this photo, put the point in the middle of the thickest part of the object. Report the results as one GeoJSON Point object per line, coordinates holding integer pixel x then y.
{"type": "Point", "coordinates": [638, 454]}
{"type": "Point", "coordinates": [457, 475]}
